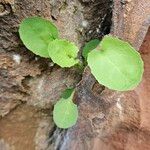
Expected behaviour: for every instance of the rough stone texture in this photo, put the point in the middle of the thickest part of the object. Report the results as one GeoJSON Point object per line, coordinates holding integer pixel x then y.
{"type": "Point", "coordinates": [21, 129]}
{"type": "Point", "coordinates": [108, 120]}
{"type": "Point", "coordinates": [131, 23]}
{"type": "Point", "coordinates": [131, 20]}
{"type": "Point", "coordinates": [19, 66]}
{"type": "Point", "coordinates": [30, 85]}
{"type": "Point", "coordinates": [103, 115]}
{"type": "Point", "coordinates": [144, 89]}
{"type": "Point", "coordinates": [45, 90]}
{"type": "Point", "coordinates": [12, 75]}
{"type": "Point", "coordinates": [97, 18]}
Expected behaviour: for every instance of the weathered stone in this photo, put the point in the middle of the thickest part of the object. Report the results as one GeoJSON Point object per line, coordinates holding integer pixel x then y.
{"type": "Point", "coordinates": [25, 128]}
{"type": "Point", "coordinates": [131, 20]}
{"type": "Point", "coordinates": [108, 119]}
{"type": "Point", "coordinates": [45, 90]}
{"type": "Point", "coordinates": [101, 114]}
{"type": "Point", "coordinates": [4, 145]}
{"type": "Point", "coordinates": [143, 90]}
{"type": "Point", "coordinates": [18, 66]}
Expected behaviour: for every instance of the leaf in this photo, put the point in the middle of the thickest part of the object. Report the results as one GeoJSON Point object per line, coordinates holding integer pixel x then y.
{"type": "Point", "coordinates": [65, 112]}
{"type": "Point", "coordinates": [116, 64]}
{"type": "Point", "coordinates": [89, 47]}
{"type": "Point", "coordinates": [63, 53]}
{"type": "Point", "coordinates": [36, 33]}
{"type": "Point", "coordinates": [66, 94]}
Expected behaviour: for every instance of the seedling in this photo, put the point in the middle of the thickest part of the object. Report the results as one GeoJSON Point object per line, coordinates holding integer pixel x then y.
{"type": "Point", "coordinates": [113, 62]}
{"type": "Point", "coordinates": [65, 112]}
{"type": "Point", "coordinates": [91, 45]}
{"type": "Point", "coordinates": [63, 53]}
{"type": "Point", "coordinates": [36, 33]}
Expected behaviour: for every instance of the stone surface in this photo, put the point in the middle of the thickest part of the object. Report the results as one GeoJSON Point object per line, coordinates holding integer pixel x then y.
{"type": "Point", "coordinates": [143, 90]}
{"type": "Point", "coordinates": [18, 66]}
{"type": "Point", "coordinates": [131, 20]}
{"type": "Point", "coordinates": [45, 90]}
{"type": "Point", "coordinates": [30, 85]}
{"type": "Point", "coordinates": [103, 115]}
{"type": "Point", "coordinates": [21, 129]}
{"type": "Point", "coordinates": [108, 119]}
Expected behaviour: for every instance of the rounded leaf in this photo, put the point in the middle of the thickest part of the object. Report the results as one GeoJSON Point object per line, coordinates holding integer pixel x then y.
{"type": "Point", "coordinates": [116, 64]}
{"type": "Point", "coordinates": [36, 33]}
{"type": "Point", "coordinates": [65, 112]}
{"type": "Point", "coordinates": [63, 53]}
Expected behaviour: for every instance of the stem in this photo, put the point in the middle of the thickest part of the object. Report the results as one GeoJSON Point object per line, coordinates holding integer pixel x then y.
{"type": "Point", "coordinates": [80, 66]}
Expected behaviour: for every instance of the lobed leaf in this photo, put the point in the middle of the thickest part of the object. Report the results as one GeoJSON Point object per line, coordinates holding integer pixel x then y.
{"type": "Point", "coordinates": [36, 33]}
{"type": "Point", "coordinates": [116, 64]}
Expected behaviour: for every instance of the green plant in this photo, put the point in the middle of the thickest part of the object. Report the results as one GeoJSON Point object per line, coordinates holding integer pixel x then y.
{"type": "Point", "coordinates": [65, 112]}
{"type": "Point", "coordinates": [41, 37]}
{"type": "Point", "coordinates": [116, 64]}
{"type": "Point", "coordinates": [36, 33]}
{"type": "Point", "coordinates": [63, 53]}
{"type": "Point", "coordinates": [89, 46]}
{"type": "Point", "coordinates": [113, 62]}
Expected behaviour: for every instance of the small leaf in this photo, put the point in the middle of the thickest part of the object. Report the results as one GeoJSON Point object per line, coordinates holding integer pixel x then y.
{"type": "Point", "coordinates": [116, 64]}
{"type": "Point", "coordinates": [66, 94]}
{"type": "Point", "coordinates": [36, 33]}
{"type": "Point", "coordinates": [65, 112]}
{"type": "Point", "coordinates": [63, 53]}
{"type": "Point", "coordinates": [89, 47]}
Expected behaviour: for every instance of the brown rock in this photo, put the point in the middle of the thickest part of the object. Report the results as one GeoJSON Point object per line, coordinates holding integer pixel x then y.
{"type": "Point", "coordinates": [108, 119]}
{"type": "Point", "coordinates": [45, 90]}
{"type": "Point", "coordinates": [25, 128]}
{"type": "Point", "coordinates": [143, 90]}
{"type": "Point", "coordinates": [131, 20]}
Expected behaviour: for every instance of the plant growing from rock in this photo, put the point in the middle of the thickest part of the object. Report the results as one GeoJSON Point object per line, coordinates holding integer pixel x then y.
{"type": "Point", "coordinates": [113, 62]}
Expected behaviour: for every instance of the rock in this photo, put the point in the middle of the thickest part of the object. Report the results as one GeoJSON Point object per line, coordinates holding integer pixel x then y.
{"type": "Point", "coordinates": [42, 134]}
{"type": "Point", "coordinates": [109, 119]}
{"type": "Point", "coordinates": [4, 145]}
{"type": "Point", "coordinates": [101, 115]}
{"type": "Point", "coordinates": [30, 85]}
{"type": "Point", "coordinates": [18, 66]}
{"type": "Point", "coordinates": [25, 128]}
{"type": "Point", "coordinates": [143, 90]}
{"type": "Point", "coordinates": [45, 90]}
{"type": "Point", "coordinates": [131, 20]}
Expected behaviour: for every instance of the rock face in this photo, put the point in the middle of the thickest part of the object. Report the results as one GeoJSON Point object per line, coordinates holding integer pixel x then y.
{"type": "Point", "coordinates": [30, 85]}
{"type": "Point", "coordinates": [131, 20]}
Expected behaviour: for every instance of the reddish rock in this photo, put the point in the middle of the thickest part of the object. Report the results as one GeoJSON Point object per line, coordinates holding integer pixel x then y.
{"type": "Point", "coordinates": [143, 90]}
{"type": "Point", "coordinates": [108, 120]}
{"type": "Point", "coordinates": [45, 90]}
{"type": "Point", "coordinates": [131, 20]}
{"type": "Point", "coordinates": [25, 128]}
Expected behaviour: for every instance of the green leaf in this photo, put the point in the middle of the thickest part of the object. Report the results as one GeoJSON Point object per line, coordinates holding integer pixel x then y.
{"type": "Point", "coordinates": [89, 47]}
{"type": "Point", "coordinates": [66, 94]}
{"type": "Point", "coordinates": [116, 64]}
{"type": "Point", "coordinates": [63, 53]}
{"type": "Point", "coordinates": [36, 33]}
{"type": "Point", "coordinates": [65, 112]}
